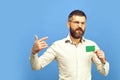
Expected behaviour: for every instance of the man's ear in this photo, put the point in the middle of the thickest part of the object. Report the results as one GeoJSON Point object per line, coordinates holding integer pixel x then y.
{"type": "Point", "coordinates": [68, 24]}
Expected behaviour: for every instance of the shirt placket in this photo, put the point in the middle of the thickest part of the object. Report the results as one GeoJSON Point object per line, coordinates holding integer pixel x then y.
{"type": "Point", "coordinates": [78, 54]}
{"type": "Point", "coordinates": [77, 61]}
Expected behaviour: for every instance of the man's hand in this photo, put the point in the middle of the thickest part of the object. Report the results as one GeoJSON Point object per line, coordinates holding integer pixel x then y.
{"type": "Point", "coordinates": [100, 54]}
{"type": "Point", "coordinates": [39, 44]}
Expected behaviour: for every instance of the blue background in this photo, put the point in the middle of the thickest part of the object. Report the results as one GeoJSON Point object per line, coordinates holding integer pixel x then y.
{"type": "Point", "coordinates": [20, 20]}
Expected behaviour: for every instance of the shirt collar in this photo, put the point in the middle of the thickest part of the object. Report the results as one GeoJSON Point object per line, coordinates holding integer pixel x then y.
{"type": "Point", "coordinates": [68, 40]}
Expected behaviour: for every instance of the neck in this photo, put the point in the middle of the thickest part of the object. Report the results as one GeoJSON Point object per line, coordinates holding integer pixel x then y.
{"type": "Point", "coordinates": [75, 41]}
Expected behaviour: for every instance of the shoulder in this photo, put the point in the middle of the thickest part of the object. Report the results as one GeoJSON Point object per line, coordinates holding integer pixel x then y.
{"type": "Point", "coordinates": [61, 41]}
{"type": "Point", "coordinates": [90, 41]}
{"type": "Point", "coordinates": [58, 44]}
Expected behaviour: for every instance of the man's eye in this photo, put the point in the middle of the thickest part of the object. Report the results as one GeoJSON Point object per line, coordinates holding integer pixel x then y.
{"type": "Point", "coordinates": [82, 23]}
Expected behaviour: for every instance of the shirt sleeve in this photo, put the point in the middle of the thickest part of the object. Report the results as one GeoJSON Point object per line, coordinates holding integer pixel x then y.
{"type": "Point", "coordinates": [40, 62]}
{"type": "Point", "coordinates": [102, 68]}
{"type": "Point", "coordinates": [34, 60]}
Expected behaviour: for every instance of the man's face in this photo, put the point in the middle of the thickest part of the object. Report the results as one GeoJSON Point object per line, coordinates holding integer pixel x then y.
{"type": "Point", "coordinates": [77, 26]}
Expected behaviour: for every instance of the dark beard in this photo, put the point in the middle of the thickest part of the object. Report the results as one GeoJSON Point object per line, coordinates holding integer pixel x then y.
{"type": "Point", "coordinates": [77, 34]}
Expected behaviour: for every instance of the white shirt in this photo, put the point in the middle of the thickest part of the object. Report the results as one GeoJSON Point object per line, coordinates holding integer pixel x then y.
{"type": "Point", "coordinates": [73, 61]}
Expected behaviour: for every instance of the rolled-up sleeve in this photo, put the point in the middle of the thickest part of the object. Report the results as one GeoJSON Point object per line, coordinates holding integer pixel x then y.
{"type": "Point", "coordinates": [102, 68]}
{"type": "Point", "coordinates": [34, 60]}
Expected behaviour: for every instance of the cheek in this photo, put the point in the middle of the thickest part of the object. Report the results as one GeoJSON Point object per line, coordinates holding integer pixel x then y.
{"type": "Point", "coordinates": [73, 28]}
{"type": "Point", "coordinates": [83, 27]}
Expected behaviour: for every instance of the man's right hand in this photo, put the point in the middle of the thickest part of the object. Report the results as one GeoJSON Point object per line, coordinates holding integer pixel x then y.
{"type": "Point", "coordinates": [39, 44]}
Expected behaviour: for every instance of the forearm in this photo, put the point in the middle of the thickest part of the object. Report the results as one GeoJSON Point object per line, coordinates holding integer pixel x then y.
{"type": "Point", "coordinates": [104, 68]}
{"type": "Point", "coordinates": [35, 62]}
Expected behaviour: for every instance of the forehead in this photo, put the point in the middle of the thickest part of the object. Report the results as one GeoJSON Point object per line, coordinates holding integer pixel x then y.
{"type": "Point", "coordinates": [78, 18]}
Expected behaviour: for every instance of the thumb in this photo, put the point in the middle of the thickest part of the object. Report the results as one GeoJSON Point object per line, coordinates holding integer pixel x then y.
{"type": "Point", "coordinates": [36, 37]}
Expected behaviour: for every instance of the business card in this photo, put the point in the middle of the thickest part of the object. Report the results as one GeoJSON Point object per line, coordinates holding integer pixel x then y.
{"type": "Point", "coordinates": [90, 48]}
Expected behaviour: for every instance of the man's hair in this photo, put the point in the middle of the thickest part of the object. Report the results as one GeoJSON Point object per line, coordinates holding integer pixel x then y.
{"type": "Point", "coordinates": [76, 13]}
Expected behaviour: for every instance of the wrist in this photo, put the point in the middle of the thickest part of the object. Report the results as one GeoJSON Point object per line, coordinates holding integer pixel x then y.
{"type": "Point", "coordinates": [33, 52]}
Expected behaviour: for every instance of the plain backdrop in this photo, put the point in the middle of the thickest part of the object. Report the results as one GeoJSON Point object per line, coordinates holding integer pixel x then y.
{"type": "Point", "coordinates": [20, 20]}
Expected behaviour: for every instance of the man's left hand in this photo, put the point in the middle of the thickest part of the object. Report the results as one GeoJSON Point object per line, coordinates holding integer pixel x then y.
{"type": "Point", "coordinates": [100, 54]}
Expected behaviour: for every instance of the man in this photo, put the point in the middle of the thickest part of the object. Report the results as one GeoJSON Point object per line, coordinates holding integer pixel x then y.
{"type": "Point", "coordinates": [74, 53]}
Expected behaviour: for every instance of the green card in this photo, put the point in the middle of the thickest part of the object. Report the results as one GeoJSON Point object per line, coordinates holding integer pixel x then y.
{"type": "Point", "coordinates": [90, 48]}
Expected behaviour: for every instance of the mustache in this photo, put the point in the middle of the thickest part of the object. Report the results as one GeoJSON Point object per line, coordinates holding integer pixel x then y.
{"type": "Point", "coordinates": [80, 29]}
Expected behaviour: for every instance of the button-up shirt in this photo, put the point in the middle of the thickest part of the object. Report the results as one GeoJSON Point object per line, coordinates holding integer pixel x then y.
{"type": "Point", "coordinates": [74, 61]}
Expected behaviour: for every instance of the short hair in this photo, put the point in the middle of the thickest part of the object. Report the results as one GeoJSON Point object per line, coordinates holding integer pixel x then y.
{"type": "Point", "coordinates": [76, 13]}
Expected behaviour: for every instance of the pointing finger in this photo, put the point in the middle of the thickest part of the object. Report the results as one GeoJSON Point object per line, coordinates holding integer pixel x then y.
{"type": "Point", "coordinates": [43, 39]}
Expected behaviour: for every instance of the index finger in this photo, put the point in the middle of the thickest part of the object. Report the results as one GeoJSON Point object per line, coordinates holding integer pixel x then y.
{"type": "Point", "coordinates": [96, 50]}
{"type": "Point", "coordinates": [43, 39]}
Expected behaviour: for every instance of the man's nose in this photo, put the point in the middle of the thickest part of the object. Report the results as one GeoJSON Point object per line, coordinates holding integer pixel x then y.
{"type": "Point", "coordinates": [80, 24]}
